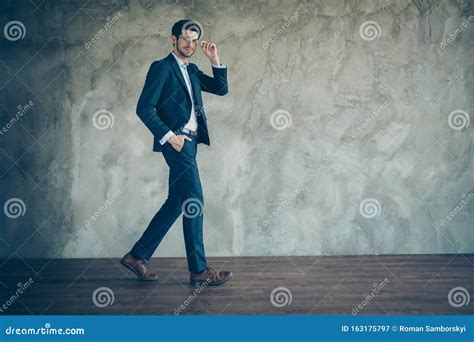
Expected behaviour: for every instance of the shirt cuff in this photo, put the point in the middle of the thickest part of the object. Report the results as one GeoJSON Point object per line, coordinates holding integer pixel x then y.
{"type": "Point", "coordinates": [166, 137]}
{"type": "Point", "coordinates": [219, 66]}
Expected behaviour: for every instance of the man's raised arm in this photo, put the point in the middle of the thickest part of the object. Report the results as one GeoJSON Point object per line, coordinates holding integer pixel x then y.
{"type": "Point", "coordinates": [218, 84]}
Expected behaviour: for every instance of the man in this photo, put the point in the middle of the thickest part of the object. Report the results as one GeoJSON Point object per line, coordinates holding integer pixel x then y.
{"type": "Point", "coordinates": [171, 107]}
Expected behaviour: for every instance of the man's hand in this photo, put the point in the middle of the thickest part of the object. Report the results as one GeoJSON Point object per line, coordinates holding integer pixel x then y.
{"type": "Point", "coordinates": [177, 141]}
{"type": "Point", "coordinates": [210, 50]}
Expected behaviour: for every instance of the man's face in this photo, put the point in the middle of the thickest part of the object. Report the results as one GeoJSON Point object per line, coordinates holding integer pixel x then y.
{"type": "Point", "coordinates": [187, 43]}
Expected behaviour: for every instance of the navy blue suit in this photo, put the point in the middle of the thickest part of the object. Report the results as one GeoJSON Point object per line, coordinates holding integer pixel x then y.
{"type": "Point", "coordinates": [165, 105]}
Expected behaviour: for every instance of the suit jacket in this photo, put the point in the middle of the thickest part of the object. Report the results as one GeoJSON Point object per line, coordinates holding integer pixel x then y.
{"type": "Point", "coordinates": [165, 103]}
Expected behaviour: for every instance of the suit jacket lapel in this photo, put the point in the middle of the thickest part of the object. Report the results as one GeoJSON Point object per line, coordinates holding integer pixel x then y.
{"type": "Point", "coordinates": [194, 82]}
{"type": "Point", "coordinates": [179, 74]}
{"type": "Point", "coordinates": [177, 71]}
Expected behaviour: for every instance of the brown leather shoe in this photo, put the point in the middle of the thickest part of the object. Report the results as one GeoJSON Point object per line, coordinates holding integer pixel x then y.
{"type": "Point", "coordinates": [210, 276]}
{"type": "Point", "coordinates": [138, 267]}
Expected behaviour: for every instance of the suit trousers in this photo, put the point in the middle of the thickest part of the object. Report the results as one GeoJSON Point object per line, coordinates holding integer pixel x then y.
{"type": "Point", "coordinates": [184, 196]}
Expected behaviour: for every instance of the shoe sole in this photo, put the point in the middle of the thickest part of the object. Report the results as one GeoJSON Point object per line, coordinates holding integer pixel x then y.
{"type": "Point", "coordinates": [130, 268]}
{"type": "Point", "coordinates": [216, 283]}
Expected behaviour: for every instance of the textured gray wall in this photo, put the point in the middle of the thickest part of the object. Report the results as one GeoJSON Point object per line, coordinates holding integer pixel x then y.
{"type": "Point", "coordinates": [345, 130]}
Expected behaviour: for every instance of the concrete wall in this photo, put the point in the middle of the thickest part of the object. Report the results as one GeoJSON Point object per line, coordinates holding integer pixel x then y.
{"type": "Point", "coordinates": [342, 132]}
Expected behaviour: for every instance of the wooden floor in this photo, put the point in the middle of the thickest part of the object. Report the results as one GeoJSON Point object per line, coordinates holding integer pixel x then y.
{"type": "Point", "coordinates": [327, 285]}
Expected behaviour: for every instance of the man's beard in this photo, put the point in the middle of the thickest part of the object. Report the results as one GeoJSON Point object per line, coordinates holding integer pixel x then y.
{"type": "Point", "coordinates": [186, 53]}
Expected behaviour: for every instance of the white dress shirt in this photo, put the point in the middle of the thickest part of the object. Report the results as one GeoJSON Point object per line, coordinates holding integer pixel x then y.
{"type": "Point", "coordinates": [192, 123]}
